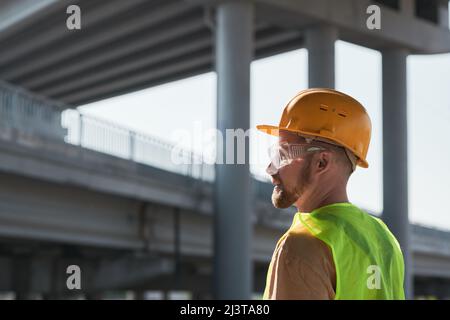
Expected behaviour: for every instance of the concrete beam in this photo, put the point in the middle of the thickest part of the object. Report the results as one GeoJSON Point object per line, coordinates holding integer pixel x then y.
{"type": "Point", "coordinates": [90, 18]}
{"type": "Point", "coordinates": [18, 15]}
{"type": "Point", "coordinates": [179, 64]}
{"type": "Point", "coordinates": [398, 29]}
{"type": "Point", "coordinates": [153, 57]}
{"type": "Point", "coordinates": [141, 42]}
{"type": "Point", "coordinates": [62, 163]}
{"type": "Point", "coordinates": [82, 42]}
{"type": "Point", "coordinates": [158, 55]}
{"type": "Point", "coordinates": [201, 59]}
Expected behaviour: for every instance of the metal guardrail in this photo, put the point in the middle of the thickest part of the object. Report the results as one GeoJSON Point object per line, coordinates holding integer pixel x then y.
{"type": "Point", "coordinates": [110, 138]}
{"type": "Point", "coordinates": [107, 137]}
{"type": "Point", "coordinates": [27, 111]}
{"type": "Point", "coordinates": [21, 110]}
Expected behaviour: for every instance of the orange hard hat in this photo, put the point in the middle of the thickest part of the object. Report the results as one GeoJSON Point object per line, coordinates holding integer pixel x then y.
{"type": "Point", "coordinates": [329, 114]}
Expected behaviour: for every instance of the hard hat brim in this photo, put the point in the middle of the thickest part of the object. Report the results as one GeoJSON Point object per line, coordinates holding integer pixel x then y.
{"type": "Point", "coordinates": [275, 131]}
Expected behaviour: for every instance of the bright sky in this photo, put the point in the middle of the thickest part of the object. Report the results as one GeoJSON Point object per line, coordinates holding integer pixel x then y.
{"type": "Point", "coordinates": [192, 102]}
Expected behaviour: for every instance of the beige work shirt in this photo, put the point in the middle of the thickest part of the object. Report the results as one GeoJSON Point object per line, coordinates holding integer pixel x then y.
{"type": "Point", "coordinates": [302, 267]}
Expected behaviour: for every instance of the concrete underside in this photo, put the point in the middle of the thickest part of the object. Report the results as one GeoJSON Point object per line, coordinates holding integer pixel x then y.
{"type": "Point", "coordinates": [125, 46]}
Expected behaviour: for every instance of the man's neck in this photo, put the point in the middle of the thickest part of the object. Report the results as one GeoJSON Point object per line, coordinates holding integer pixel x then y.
{"type": "Point", "coordinates": [313, 200]}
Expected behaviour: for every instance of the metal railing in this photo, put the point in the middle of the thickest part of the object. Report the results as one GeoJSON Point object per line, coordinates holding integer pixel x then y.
{"type": "Point", "coordinates": [27, 111]}
{"type": "Point", "coordinates": [110, 138]}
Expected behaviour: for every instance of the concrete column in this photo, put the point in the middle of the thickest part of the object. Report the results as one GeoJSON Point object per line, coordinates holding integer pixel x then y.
{"type": "Point", "coordinates": [232, 218]}
{"type": "Point", "coordinates": [395, 154]}
{"type": "Point", "coordinates": [320, 44]}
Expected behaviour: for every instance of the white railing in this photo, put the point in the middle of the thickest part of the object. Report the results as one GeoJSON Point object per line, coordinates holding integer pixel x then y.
{"type": "Point", "coordinates": [21, 110]}
{"type": "Point", "coordinates": [107, 137]}
{"type": "Point", "coordinates": [27, 111]}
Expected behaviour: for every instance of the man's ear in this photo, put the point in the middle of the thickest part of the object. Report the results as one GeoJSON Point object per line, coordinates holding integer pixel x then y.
{"type": "Point", "coordinates": [323, 162]}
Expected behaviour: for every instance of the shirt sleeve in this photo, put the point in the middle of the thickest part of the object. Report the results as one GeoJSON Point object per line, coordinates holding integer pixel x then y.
{"type": "Point", "coordinates": [303, 268]}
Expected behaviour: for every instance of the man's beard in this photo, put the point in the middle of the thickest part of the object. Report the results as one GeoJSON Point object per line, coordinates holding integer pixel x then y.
{"type": "Point", "coordinates": [283, 198]}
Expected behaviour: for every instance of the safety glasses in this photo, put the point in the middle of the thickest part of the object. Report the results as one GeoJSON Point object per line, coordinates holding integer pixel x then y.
{"type": "Point", "coordinates": [282, 154]}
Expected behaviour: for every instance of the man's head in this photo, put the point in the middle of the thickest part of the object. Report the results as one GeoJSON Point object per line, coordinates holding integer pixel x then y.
{"type": "Point", "coordinates": [340, 128]}
{"type": "Point", "coordinates": [316, 168]}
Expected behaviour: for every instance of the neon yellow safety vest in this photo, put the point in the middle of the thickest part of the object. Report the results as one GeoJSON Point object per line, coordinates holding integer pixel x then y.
{"type": "Point", "coordinates": [367, 257]}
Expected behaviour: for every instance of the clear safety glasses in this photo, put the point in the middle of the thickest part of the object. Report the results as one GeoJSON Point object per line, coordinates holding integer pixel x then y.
{"type": "Point", "coordinates": [282, 154]}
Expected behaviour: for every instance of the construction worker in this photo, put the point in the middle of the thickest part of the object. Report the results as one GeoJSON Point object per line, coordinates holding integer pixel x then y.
{"type": "Point", "coordinates": [333, 249]}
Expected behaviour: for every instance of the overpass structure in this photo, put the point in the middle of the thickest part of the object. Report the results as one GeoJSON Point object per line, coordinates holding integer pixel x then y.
{"type": "Point", "coordinates": [131, 223]}
{"type": "Point", "coordinates": [124, 46]}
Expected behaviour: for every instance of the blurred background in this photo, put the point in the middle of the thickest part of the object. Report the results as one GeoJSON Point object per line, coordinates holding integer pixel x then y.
{"type": "Point", "coordinates": [90, 115]}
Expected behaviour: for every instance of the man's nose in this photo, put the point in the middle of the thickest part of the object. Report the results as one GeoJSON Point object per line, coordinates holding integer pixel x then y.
{"type": "Point", "coordinates": [271, 170]}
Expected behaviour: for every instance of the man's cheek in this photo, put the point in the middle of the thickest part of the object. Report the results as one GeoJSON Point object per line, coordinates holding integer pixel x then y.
{"type": "Point", "coordinates": [286, 178]}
